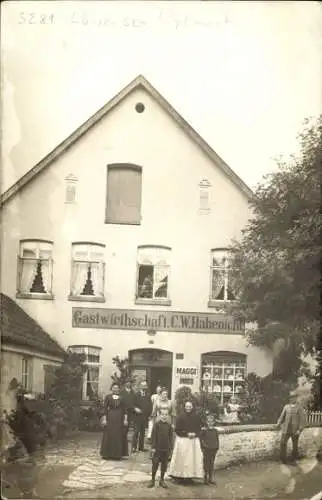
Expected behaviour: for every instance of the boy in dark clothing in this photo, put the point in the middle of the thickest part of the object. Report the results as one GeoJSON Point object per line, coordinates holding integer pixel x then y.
{"type": "Point", "coordinates": [209, 444]}
{"type": "Point", "coordinates": [161, 443]}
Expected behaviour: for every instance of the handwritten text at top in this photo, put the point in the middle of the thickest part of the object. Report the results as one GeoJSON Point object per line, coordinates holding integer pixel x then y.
{"type": "Point", "coordinates": [85, 19]}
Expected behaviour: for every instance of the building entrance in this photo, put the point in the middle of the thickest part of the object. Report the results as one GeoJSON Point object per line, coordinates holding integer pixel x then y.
{"type": "Point", "coordinates": [152, 365]}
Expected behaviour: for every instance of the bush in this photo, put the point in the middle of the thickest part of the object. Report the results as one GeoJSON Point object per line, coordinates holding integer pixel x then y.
{"type": "Point", "coordinates": [90, 418]}
{"type": "Point", "coordinates": [275, 395]}
{"type": "Point", "coordinates": [66, 392]}
{"type": "Point", "coordinates": [182, 395]}
{"type": "Point", "coordinates": [37, 420]}
{"type": "Point", "coordinates": [203, 402]}
{"type": "Point", "coordinates": [251, 400]}
{"type": "Point", "coordinates": [50, 416]}
{"type": "Point", "coordinates": [27, 424]}
{"type": "Point", "coordinates": [316, 401]}
{"type": "Point", "coordinates": [263, 398]}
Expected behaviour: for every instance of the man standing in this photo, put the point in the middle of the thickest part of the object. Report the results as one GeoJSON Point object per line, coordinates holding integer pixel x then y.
{"type": "Point", "coordinates": [291, 421]}
{"type": "Point", "coordinates": [142, 412]}
{"type": "Point", "coordinates": [128, 398]}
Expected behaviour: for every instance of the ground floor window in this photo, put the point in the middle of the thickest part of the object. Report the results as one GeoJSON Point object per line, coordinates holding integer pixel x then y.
{"type": "Point", "coordinates": [91, 372]}
{"type": "Point", "coordinates": [223, 373]}
{"type": "Point", "coordinates": [92, 379]}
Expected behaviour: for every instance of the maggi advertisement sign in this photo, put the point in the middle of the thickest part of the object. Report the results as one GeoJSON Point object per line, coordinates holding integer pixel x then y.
{"type": "Point", "coordinates": [171, 321]}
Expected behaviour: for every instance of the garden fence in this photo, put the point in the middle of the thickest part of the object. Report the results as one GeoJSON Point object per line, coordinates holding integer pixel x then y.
{"type": "Point", "coordinates": [314, 417]}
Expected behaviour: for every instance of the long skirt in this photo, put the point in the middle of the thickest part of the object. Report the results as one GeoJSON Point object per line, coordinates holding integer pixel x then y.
{"type": "Point", "coordinates": [187, 459]}
{"type": "Point", "coordinates": [112, 445]}
{"type": "Point", "coordinates": [125, 441]}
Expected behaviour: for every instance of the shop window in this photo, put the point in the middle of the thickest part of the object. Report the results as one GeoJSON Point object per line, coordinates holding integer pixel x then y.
{"type": "Point", "coordinates": [204, 196]}
{"type": "Point", "coordinates": [35, 267]}
{"type": "Point", "coordinates": [26, 373]}
{"type": "Point", "coordinates": [90, 385]}
{"type": "Point", "coordinates": [222, 277]}
{"type": "Point", "coordinates": [88, 270]}
{"type": "Point", "coordinates": [223, 373]}
{"type": "Point", "coordinates": [123, 198]}
{"type": "Point", "coordinates": [153, 268]}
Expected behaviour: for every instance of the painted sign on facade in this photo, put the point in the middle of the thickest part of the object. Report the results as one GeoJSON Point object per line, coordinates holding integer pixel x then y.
{"type": "Point", "coordinates": [135, 319]}
{"type": "Point", "coordinates": [187, 371]}
{"type": "Point", "coordinates": [186, 381]}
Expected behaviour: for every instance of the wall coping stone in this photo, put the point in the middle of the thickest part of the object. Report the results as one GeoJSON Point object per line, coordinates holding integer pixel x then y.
{"type": "Point", "coordinates": [230, 429]}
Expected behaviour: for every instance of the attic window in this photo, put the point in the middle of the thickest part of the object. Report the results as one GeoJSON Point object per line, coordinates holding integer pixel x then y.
{"type": "Point", "coordinates": [139, 107]}
{"type": "Point", "coordinates": [70, 188]}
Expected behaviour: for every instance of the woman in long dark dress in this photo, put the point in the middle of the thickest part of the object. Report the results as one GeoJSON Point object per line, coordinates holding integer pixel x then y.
{"type": "Point", "coordinates": [115, 416]}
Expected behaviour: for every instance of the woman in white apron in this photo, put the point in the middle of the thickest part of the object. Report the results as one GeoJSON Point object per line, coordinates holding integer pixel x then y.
{"type": "Point", "coordinates": [187, 460]}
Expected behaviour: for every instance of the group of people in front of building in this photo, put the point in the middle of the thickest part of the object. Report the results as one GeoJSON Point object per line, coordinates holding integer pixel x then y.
{"type": "Point", "coordinates": [184, 440]}
{"type": "Point", "coordinates": [185, 444]}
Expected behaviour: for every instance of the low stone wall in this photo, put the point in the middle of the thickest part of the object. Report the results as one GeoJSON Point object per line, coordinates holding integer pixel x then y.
{"type": "Point", "coordinates": [245, 443]}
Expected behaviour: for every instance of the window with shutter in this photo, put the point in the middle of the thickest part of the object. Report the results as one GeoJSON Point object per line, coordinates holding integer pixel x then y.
{"type": "Point", "coordinates": [123, 197]}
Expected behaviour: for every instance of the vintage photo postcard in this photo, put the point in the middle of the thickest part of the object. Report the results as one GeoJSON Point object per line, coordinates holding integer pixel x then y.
{"type": "Point", "coordinates": [160, 249]}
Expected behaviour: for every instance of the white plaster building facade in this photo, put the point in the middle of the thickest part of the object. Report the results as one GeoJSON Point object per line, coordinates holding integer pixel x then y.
{"type": "Point", "coordinates": [116, 243]}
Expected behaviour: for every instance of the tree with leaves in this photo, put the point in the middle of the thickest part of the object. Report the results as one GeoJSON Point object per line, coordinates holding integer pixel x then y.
{"type": "Point", "coordinates": [123, 373]}
{"type": "Point", "coordinates": [277, 261]}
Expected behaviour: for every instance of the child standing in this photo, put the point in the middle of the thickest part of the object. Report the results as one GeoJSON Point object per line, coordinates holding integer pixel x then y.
{"type": "Point", "coordinates": [209, 444]}
{"type": "Point", "coordinates": [161, 443]}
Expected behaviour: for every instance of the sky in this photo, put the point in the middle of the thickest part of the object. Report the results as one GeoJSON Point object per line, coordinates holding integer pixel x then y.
{"type": "Point", "coordinates": [244, 74]}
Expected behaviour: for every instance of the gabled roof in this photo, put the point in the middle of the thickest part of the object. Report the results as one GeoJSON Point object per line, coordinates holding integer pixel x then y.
{"type": "Point", "coordinates": [140, 81]}
{"type": "Point", "coordinates": [19, 329]}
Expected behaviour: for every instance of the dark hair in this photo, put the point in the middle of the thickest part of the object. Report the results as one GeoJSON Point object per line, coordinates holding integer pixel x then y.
{"type": "Point", "coordinates": [163, 389]}
{"type": "Point", "coordinates": [115, 384]}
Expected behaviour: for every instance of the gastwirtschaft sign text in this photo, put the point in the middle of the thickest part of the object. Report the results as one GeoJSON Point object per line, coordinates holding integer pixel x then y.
{"type": "Point", "coordinates": [134, 319]}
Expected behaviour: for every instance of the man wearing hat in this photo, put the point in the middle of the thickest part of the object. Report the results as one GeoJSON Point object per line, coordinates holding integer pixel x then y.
{"type": "Point", "coordinates": [291, 421]}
